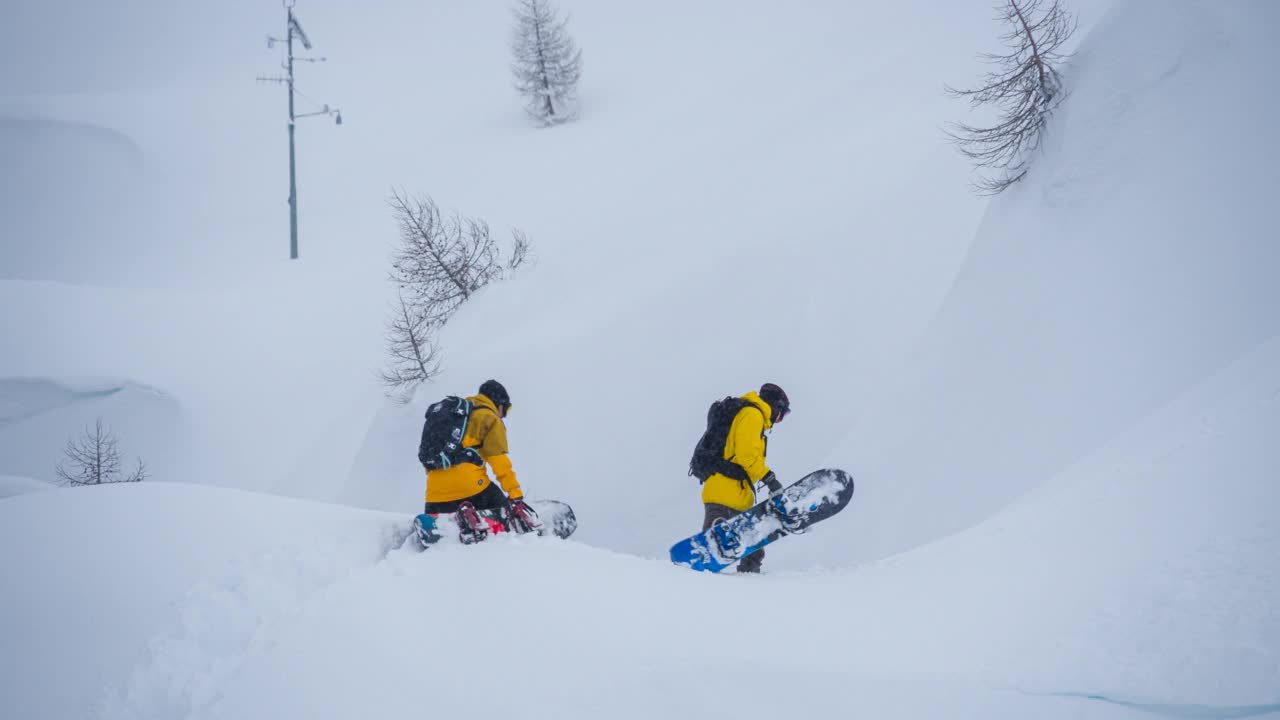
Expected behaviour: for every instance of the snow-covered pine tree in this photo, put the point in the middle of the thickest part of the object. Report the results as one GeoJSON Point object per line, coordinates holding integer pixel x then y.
{"type": "Point", "coordinates": [546, 62]}
{"type": "Point", "coordinates": [1024, 87]}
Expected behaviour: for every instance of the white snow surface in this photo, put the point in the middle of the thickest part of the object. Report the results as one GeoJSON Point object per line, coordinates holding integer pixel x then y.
{"type": "Point", "coordinates": [11, 485]}
{"type": "Point", "coordinates": [1060, 406]}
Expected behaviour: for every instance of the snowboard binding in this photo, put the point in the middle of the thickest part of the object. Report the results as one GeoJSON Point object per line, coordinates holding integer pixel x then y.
{"type": "Point", "coordinates": [522, 519]}
{"type": "Point", "coordinates": [727, 541]}
{"type": "Point", "coordinates": [793, 521]}
{"type": "Point", "coordinates": [471, 527]}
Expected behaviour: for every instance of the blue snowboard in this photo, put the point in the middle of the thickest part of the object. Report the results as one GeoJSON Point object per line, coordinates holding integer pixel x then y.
{"type": "Point", "coordinates": [815, 497]}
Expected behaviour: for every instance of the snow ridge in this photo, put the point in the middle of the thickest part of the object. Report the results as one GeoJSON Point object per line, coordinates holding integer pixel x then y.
{"type": "Point", "coordinates": [1180, 712]}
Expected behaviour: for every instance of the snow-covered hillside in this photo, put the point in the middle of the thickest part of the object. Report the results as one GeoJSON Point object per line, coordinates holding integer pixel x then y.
{"type": "Point", "coordinates": [1136, 260]}
{"type": "Point", "coordinates": [1060, 405]}
{"type": "Point", "coordinates": [11, 485]}
{"type": "Point", "coordinates": [1127, 585]}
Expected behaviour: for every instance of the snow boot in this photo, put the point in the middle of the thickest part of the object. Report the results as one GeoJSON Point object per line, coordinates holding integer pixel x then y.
{"type": "Point", "coordinates": [427, 530]}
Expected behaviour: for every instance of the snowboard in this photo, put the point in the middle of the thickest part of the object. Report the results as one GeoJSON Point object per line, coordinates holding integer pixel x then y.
{"type": "Point", "coordinates": [557, 519]}
{"type": "Point", "coordinates": [796, 508]}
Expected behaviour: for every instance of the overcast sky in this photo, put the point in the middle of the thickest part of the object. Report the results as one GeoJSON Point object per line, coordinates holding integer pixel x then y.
{"type": "Point", "coordinates": [62, 46]}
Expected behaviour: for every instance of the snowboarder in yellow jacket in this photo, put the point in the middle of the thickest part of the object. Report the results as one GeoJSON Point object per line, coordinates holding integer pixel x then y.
{"type": "Point", "coordinates": [450, 487]}
{"type": "Point", "coordinates": [746, 446]}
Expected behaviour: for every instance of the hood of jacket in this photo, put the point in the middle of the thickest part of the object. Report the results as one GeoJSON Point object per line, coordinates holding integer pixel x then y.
{"type": "Point", "coordinates": [484, 402]}
{"type": "Point", "coordinates": [753, 397]}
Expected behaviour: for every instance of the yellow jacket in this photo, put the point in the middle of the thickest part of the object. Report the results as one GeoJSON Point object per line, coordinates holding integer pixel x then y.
{"type": "Point", "coordinates": [744, 446]}
{"type": "Point", "coordinates": [487, 433]}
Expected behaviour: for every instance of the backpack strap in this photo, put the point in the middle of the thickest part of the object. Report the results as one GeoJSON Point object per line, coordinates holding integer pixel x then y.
{"type": "Point", "coordinates": [474, 452]}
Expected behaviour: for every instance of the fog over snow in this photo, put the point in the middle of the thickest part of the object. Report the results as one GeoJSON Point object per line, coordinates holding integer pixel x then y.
{"type": "Point", "coordinates": [1060, 404]}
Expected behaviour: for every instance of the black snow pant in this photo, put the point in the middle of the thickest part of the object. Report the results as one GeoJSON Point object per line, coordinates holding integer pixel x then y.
{"type": "Point", "coordinates": [715, 511]}
{"type": "Point", "coordinates": [490, 498]}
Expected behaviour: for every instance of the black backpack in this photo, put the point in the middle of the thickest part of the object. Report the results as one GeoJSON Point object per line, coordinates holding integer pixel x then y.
{"type": "Point", "coordinates": [442, 433]}
{"type": "Point", "coordinates": [708, 454]}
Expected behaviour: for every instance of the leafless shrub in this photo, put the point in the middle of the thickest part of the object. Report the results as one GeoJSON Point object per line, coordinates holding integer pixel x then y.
{"type": "Point", "coordinates": [94, 459]}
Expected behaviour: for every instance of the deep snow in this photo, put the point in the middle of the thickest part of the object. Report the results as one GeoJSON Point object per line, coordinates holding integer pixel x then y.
{"type": "Point", "coordinates": [1128, 578]}
{"type": "Point", "coordinates": [1060, 406]}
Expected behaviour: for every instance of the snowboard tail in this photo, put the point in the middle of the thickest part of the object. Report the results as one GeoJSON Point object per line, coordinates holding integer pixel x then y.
{"type": "Point", "coordinates": [557, 517]}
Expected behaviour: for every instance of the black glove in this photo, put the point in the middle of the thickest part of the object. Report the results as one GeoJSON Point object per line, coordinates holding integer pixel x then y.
{"type": "Point", "coordinates": [771, 481]}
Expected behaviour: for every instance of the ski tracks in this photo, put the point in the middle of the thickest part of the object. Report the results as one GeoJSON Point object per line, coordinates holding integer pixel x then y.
{"type": "Point", "coordinates": [221, 623]}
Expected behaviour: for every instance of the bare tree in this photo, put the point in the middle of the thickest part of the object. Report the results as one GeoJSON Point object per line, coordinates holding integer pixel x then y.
{"type": "Point", "coordinates": [546, 62]}
{"type": "Point", "coordinates": [94, 459]}
{"type": "Point", "coordinates": [414, 353]}
{"type": "Point", "coordinates": [440, 263]}
{"type": "Point", "coordinates": [1024, 87]}
{"type": "Point", "coordinates": [443, 261]}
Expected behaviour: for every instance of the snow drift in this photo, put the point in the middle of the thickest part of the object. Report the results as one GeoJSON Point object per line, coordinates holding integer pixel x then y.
{"type": "Point", "coordinates": [1061, 415]}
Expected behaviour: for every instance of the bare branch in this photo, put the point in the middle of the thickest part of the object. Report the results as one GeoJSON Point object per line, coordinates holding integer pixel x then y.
{"type": "Point", "coordinates": [414, 353]}
{"type": "Point", "coordinates": [519, 249]}
{"type": "Point", "coordinates": [440, 263]}
{"type": "Point", "coordinates": [140, 473]}
{"type": "Point", "coordinates": [1024, 86]}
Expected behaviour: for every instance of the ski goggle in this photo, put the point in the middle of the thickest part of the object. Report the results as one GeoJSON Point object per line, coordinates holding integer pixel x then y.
{"type": "Point", "coordinates": [784, 409]}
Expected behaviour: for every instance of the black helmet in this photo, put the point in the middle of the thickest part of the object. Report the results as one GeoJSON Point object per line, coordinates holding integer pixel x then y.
{"type": "Point", "coordinates": [493, 390]}
{"type": "Point", "coordinates": [776, 400]}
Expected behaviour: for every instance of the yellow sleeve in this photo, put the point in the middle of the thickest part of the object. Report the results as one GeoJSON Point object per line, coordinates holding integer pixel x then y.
{"type": "Point", "coordinates": [494, 451]}
{"type": "Point", "coordinates": [748, 443]}
{"type": "Point", "coordinates": [501, 465]}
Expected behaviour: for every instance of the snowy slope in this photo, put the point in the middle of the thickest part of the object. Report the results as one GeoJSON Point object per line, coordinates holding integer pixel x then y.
{"type": "Point", "coordinates": [1061, 414]}
{"type": "Point", "coordinates": [51, 167]}
{"type": "Point", "coordinates": [1167, 602]}
{"type": "Point", "coordinates": [38, 417]}
{"type": "Point", "coordinates": [681, 188]}
{"type": "Point", "coordinates": [1119, 274]}
{"type": "Point", "coordinates": [11, 485]}
{"type": "Point", "coordinates": [91, 573]}
{"type": "Point", "coordinates": [1138, 258]}
{"type": "Point", "coordinates": [181, 378]}
{"type": "Point", "coordinates": [683, 267]}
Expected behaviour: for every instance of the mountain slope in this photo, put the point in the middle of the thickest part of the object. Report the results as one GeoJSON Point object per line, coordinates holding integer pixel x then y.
{"type": "Point", "coordinates": [1135, 260]}
{"type": "Point", "coordinates": [246, 605]}
{"type": "Point", "coordinates": [1061, 415]}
